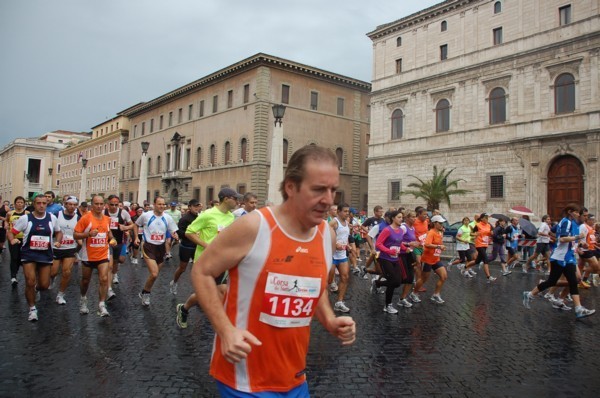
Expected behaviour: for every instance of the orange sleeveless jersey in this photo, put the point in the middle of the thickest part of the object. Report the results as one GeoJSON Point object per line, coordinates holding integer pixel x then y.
{"type": "Point", "coordinates": [590, 238]}
{"type": "Point", "coordinates": [484, 233]}
{"type": "Point", "coordinates": [421, 229]}
{"type": "Point", "coordinates": [96, 248]}
{"type": "Point", "coordinates": [432, 256]}
{"type": "Point", "coordinates": [273, 294]}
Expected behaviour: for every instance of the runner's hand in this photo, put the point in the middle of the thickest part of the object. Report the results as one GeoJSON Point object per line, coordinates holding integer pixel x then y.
{"type": "Point", "coordinates": [237, 344]}
{"type": "Point", "coordinates": [344, 328]}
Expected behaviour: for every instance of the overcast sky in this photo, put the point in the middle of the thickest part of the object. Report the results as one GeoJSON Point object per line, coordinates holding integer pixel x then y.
{"type": "Point", "coordinates": [71, 64]}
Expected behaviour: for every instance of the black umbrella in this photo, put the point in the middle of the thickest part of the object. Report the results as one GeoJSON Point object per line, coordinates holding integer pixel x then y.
{"type": "Point", "coordinates": [528, 227]}
{"type": "Point", "coordinates": [500, 217]}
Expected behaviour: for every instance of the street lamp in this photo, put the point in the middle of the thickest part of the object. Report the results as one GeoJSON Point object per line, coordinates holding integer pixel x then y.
{"type": "Point", "coordinates": [50, 169]}
{"type": "Point", "coordinates": [278, 112]}
{"type": "Point", "coordinates": [143, 183]}
{"type": "Point", "coordinates": [82, 190]}
{"type": "Point", "coordinates": [276, 168]}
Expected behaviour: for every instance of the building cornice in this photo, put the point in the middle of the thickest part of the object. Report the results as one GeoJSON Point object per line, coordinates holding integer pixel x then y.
{"type": "Point", "coordinates": [419, 17]}
{"type": "Point", "coordinates": [243, 66]}
{"type": "Point", "coordinates": [93, 142]}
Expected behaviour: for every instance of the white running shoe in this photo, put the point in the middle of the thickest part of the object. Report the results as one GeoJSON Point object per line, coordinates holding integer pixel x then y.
{"type": "Point", "coordinates": [414, 297]}
{"type": "Point", "coordinates": [60, 299]}
{"type": "Point", "coordinates": [173, 287]}
{"type": "Point", "coordinates": [390, 309]}
{"type": "Point", "coordinates": [115, 279]}
{"type": "Point", "coordinates": [102, 311]}
{"type": "Point", "coordinates": [134, 261]}
{"type": "Point", "coordinates": [110, 295]}
{"type": "Point", "coordinates": [145, 298]}
{"type": "Point", "coordinates": [33, 316]}
{"type": "Point", "coordinates": [83, 307]}
{"type": "Point", "coordinates": [437, 299]}
{"type": "Point", "coordinates": [333, 287]}
{"type": "Point", "coordinates": [340, 306]}
{"type": "Point", "coordinates": [404, 303]}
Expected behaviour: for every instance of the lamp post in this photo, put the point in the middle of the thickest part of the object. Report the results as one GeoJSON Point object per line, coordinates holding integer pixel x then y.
{"type": "Point", "coordinates": [143, 185]}
{"type": "Point", "coordinates": [276, 169]}
{"type": "Point", "coordinates": [82, 190]}
{"type": "Point", "coordinates": [50, 169]}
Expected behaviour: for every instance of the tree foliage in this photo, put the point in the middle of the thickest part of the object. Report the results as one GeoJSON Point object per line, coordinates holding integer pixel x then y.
{"type": "Point", "coordinates": [437, 190]}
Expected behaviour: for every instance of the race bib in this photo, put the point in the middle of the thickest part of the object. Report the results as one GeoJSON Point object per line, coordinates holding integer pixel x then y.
{"type": "Point", "coordinates": [396, 250]}
{"type": "Point", "coordinates": [289, 301]}
{"type": "Point", "coordinates": [437, 252]}
{"type": "Point", "coordinates": [422, 238]}
{"type": "Point", "coordinates": [114, 223]}
{"type": "Point", "coordinates": [485, 239]}
{"type": "Point", "coordinates": [98, 240]}
{"type": "Point", "coordinates": [67, 240]}
{"type": "Point", "coordinates": [157, 238]}
{"type": "Point", "coordinates": [38, 242]}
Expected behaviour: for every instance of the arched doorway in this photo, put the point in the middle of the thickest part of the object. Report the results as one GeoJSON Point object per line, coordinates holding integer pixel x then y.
{"type": "Point", "coordinates": [174, 196]}
{"type": "Point", "coordinates": [565, 184]}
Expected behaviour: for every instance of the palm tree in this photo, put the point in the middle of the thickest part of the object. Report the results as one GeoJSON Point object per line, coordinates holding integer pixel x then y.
{"type": "Point", "coordinates": [437, 190]}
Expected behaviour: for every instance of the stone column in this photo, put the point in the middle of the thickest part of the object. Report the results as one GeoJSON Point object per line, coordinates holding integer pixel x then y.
{"type": "Point", "coordinates": [172, 158]}
{"type": "Point", "coordinates": [143, 183]}
{"type": "Point", "coordinates": [276, 168]}
{"type": "Point", "coordinates": [82, 190]}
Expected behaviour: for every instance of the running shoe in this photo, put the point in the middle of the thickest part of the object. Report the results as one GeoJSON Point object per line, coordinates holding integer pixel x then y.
{"type": "Point", "coordinates": [182, 315]}
{"type": "Point", "coordinates": [333, 287]}
{"type": "Point", "coordinates": [461, 267]}
{"type": "Point", "coordinates": [362, 271]}
{"type": "Point", "coordinates": [14, 282]}
{"type": "Point", "coordinates": [173, 287]}
{"type": "Point", "coordinates": [569, 298]}
{"type": "Point", "coordinates": [110, 295]}
{"type": "Point", "coordinates": [83, 307]}
{"type": "Point", "coordinates": [527, 299]}
{"type": "Point", "coordinates": [145, 298]}
{"type": "Point", "coordinates": [340, 306]}
{"type": "Point", "coordinates": [33, 316]}
{"type": "Point", "coordinates": [60, 299]}
{"type": "Point", "coordinates": [414, 297]}
{"type": "Point", "coordinates": [404, 303]}
{"type": "Point", "coordinates": [390, 309]}
{"type": "Point", "coordinates": [490, 279]}
{"type": "Point", "coordinates": [472, 272]}
{"type": "Point", "coordinates": [437, 299]}
{"type": "Point", "coordinates": [582, 312]}
{"type": "Point", "coordinates": [356, 270]}
{"type": "Point", "coordinates": [560, 305]}
{"type": "Point", "coordinates": [583, 285]}
{"type": "Point", "coordinates": [524, 268]}
{"type": "Point", "coordinates": [168, 256]}
{"type": "Point", "coordinates": [373, 288]}
{"type": "Point", "coordinates": [506, 273]}
{"type": "Point", "coordinates": [102, 311]}
{"type": "Point", "coordinates": [115, 279]}
{"type": "Point", "coordinates": [381, 290]}
{"type": "Point", "coordinates": [134, 261]}
{"type": "Point", "coordinates": [549, 296]}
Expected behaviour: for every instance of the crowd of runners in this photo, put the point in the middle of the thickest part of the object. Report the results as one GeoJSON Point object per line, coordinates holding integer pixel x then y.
{"type": "Point", "coordinates": [396, 250]}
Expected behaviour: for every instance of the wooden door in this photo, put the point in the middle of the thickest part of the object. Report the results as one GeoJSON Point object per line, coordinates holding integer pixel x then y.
{"type": "Point", "coordinates": [565, 185]}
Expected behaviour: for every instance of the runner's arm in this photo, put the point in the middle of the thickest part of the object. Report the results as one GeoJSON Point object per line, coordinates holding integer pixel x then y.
{"type": "Point", "coordinates": [343, 327]}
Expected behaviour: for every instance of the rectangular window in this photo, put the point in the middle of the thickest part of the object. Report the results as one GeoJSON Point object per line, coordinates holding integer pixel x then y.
{"type": "Point", "coordinates": [314, 100]}
{"type": "Point", "coordinates": [565, 15]}
{"type": "Point", "coordinates": [394, 190]}
{"type": "Point", "coordinates": [197, 194]}
{"type": "Point", "coordinates": [151, 125]}
{"type": "Point", "coordinates": [201, 109]}
{"type": "Point", "coordinates": [160, 122]}
{"type": "Point", "coordinates": [246, 93]}
{"type": "Point", "coordinates": [340, 107]}
{"type": "Point", "coordinates": [190, 111]}
{"type": "Point", "coordinates": [143, 128]}
{"type": "Point", "coordinates": [210, 194]}
{"type": "Point", "coordinates": [443, 52]}
{"type": "Point", "coordinates": [497, 36]}
{"type": "Point", "coordinates": [215, 103]}
{"type": "Point", "coordinates": [285, 94]}
{"type": "Point", "coordinates": [496, 186]}
{"type": "Point", "coordinates": [180, 115]}
{"type": "Point", "coordinates": [229, 99]}
{"type": "Point", "coordinates": [134, 133]}
{"type": "Point", "coordinates": [170, 119]}
{"type": "Point", "coordinates": [399, 66]}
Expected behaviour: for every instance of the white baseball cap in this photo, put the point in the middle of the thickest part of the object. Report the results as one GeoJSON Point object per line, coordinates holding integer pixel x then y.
{"type": "Point", "coordinates": [439, 219]}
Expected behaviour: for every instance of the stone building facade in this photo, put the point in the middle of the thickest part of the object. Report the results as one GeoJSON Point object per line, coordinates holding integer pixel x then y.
{"type": "Point", "coordinates": [504, 92]}
{"type": "Point", "coordinates": [103, 155]}
{"type": "Point", "coordinates": [216, 131]}
{"type": "Point", "coordinates": [32, 165]}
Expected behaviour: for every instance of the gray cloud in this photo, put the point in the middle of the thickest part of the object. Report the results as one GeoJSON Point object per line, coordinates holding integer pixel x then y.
{"type": "Point", "coordinates": [70, 64]}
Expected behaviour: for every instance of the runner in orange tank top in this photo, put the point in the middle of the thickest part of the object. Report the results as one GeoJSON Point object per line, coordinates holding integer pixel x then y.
{"type": "Point", "coordinates": [483, 237]}
{"type": "Point", "coordinates": [276, 286]}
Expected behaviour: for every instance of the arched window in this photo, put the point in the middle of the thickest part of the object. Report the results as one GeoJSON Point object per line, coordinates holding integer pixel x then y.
{"type": "Point", "coordinates": [213, 155]}
{"type": "Point", "coordinates": [497, 105]}
{"type": "Point", "coordinates": [158, 165]}
{"type": "Point", "coordinates": [132, 169]}
{"type": "Point", "coordinates": [244, 150]}
{"type": "Point", "coordinates": [564, 93]}
{"type": "Point", "coordinates": [398, 41]}
{"type": "Point", "coordinates": [285, 151]}
{"type": "Point", "coordinates": [444, 26]}
{"type": "Point", "coordinates": [227, 152]}
{"type": "Point", "coordinates": [339, 153]}
{"type": "Point", "coordinates": [198, 157]}
{"type": "Point", "coordinates": [442, 115]}
{"type": "Point", "coordinates": [497, 7]}
{"type": "Point", "coordinates": [397, 127]}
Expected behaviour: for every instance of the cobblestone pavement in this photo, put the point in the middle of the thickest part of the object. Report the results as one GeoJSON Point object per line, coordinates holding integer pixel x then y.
{"type": "Point", "coordinates": [481, 342]}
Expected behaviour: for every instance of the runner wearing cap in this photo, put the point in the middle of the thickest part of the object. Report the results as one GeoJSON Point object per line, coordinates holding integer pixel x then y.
{"type": "Point", "coordinates": [201, 232]}
{"type": "Point", "coordinates": [431, 259]}
{"type": "Point", "coordinates": [483, 234]}
{"type": "Point", "coordinates": [64, 256]}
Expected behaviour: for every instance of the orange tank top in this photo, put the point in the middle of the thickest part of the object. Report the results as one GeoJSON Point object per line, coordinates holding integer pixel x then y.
{"type": "Point", "coordinates": [591, 238]}
{"type": "Point", "coordinates": [273, 293]}
{"type": "Point", "coordinates": [432, 256]}
{"type": "Point", "coordinates": [484, 233]}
